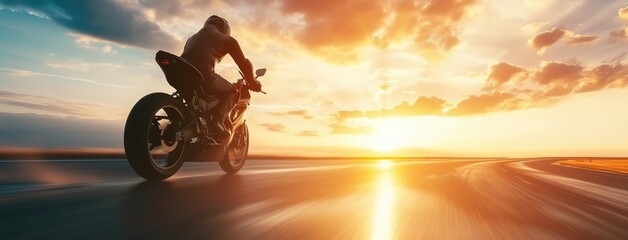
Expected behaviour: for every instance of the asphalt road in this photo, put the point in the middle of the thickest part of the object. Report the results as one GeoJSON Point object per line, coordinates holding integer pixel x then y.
{"type": "Point", "coordinates": [314, 199]}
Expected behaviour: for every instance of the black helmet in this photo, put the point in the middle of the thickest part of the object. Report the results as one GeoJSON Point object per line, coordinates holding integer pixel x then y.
{"type": "Point", "coordinates": [220, 23]}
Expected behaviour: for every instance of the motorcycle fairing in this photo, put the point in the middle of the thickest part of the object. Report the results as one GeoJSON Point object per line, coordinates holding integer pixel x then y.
{"type": "Point", "coordinates": [217, 152]}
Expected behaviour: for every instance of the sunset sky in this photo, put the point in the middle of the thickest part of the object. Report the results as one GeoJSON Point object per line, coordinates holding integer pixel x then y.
{"type": "Point", "coordinates": [345, 78]}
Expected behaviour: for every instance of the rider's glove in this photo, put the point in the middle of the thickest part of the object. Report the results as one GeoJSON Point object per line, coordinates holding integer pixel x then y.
{"type": "Point", "coordinates": [255, 86]}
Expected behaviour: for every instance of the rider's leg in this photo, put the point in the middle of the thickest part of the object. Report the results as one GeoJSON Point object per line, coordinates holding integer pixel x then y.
{"type": "Point", "coordinates": [227, 102]}
{"type": "Point", "coordinates": [228, 98]}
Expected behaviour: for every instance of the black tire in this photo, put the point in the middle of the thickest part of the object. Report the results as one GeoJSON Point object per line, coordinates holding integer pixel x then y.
{"type": "Point", "coordinates": [144, 127]}
{"type": "Point", "coordinates": [238, 150]}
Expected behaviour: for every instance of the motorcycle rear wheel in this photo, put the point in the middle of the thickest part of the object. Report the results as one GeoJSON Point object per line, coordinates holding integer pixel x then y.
{"type": "Point", "coordinates": [238, 150]}
{"type": "Point", "coordinates": [149, 136]}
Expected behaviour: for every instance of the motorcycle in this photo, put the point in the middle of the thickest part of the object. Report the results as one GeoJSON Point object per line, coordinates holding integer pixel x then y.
{"type": "Point", "coordinates": [164, 130]}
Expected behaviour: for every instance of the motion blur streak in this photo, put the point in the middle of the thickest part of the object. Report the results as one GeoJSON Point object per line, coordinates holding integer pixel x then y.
{"type": "Point", "coordinates": [315, 199]}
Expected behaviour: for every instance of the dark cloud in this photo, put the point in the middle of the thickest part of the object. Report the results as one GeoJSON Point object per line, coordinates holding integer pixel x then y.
{"type": "Point", "coordinates": [106, 19]}
{"type": "Point", "coordinates": [31, 130]}
{"type": "Point", "coordinates": [275, 127]}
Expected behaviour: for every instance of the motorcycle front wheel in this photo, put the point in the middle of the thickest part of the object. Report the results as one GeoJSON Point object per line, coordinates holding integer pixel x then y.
{"type": "Point", "coordinates": [149, 136]}
{"type": "Point", "coordinates": [238, 150]}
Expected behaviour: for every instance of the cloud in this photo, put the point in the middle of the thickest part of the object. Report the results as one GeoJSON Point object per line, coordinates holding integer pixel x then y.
{"type": "Point", "coordinates": [533, 28]}
{"type": "Point", "coordinates": [343, 129]}
{"type": "Point", "coordinates": [87, 41]}
{"type": "Point", "coordinates": [423, 106]}
{"type": "Point", "coordinates": [432, 106]}
{"type": "Point", "coordinates": [485, 103]}
{"type": "Point", "coordinates": [90, 42]}
{"type": "Point", "coordinates": [105, 19]}
{"type": "Point", "coordinates": [31, 130]}
{"type": "Point", "coordinates": [559, 79]}
{"type": "Point", "coordinates": [533, 88]}
{"type": "Point", "coordinates": [26, 73]}
{"type": "Point", "coordinates": [501, 73]}
{"type": "Point", "coordinates": [338, 30]}
{"type": "Point", "coordinates": [167, 8]}
{"type": "Point", "coordinates": [334, 28]}
{"type": "Point", "coordinates": [543, 40]}
{"type": "Point", "coordinates": [605, 75]}
{"type": "Point", "coordinates": [275, 127]}
{"type": "Point", "coordinates": [302, 113]}
{"type": "Point", "coordinates": [546, 39]}
{"type": "Point", "coordinates": [70, 65]}
{"type": "Point", "coordinates": [430, 26]}
{"type": "Point", "coordinates": [310, 134]}
{"type": "Point", "coordinates": [618, 36]}
{"type": "Point", "coordinates": [52, 106]}
{"type": "Point", "coordinates": [108, 49]}
{"type": "Point", "coordinates": [553, 72]}
{"type": "Point", "coordinates": [623, 13]}
{"type": "Point", "coordinates": [582, 39]}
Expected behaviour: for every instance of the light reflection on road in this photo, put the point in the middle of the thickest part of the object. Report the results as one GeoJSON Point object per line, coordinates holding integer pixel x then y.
{"type": "Point", "coordinates": [383, 215]}
{"type": "Point", "coordinates": [317, 199]}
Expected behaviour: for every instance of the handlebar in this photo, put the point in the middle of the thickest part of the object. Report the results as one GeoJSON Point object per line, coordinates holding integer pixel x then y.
{"type": "Point", "coordinates": [242, 82]}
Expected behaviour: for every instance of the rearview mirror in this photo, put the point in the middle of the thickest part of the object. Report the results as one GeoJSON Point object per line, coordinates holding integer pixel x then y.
{"type": "Point", "coordinates": [260, 72]}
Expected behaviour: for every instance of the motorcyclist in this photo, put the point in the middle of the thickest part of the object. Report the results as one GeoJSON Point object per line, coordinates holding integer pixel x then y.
{"type": "Point", "coordinates": [206, 48]}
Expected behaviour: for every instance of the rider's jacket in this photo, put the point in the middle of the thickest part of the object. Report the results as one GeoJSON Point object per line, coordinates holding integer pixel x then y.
{"type": "Point", "coordinates": [206, 48]}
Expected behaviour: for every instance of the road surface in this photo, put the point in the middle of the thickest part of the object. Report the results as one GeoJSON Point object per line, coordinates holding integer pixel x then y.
{"type": "Point", "coordinates": [314, 199]}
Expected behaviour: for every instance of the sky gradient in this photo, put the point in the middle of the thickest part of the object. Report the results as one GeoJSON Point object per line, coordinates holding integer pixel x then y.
{"type": "Point", "coordinates": [345, 78]}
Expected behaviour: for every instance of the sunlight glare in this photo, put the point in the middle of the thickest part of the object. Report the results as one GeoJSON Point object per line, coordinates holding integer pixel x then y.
{"type": "Point", "coordinates": [389, 135]}
{"type": "Point", "coordinates": [384, 164]}
{"type": "Point", "coordinates": [383, 218]}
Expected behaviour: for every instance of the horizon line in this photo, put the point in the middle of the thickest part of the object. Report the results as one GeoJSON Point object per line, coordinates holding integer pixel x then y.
{"type": "Point", "coordinates": [100, 153]}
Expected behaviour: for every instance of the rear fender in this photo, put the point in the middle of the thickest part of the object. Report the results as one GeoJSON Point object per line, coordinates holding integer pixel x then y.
{"type": "Point", "coordinates": [180, 74]}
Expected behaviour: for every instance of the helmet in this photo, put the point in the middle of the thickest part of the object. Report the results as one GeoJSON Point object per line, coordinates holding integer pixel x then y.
{"type": "Point", "coordinates": [220, 23]}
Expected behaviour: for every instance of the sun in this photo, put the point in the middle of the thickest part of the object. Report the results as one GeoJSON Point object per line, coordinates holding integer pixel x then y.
{"type": "Point", "coordinates": [389, 135]}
